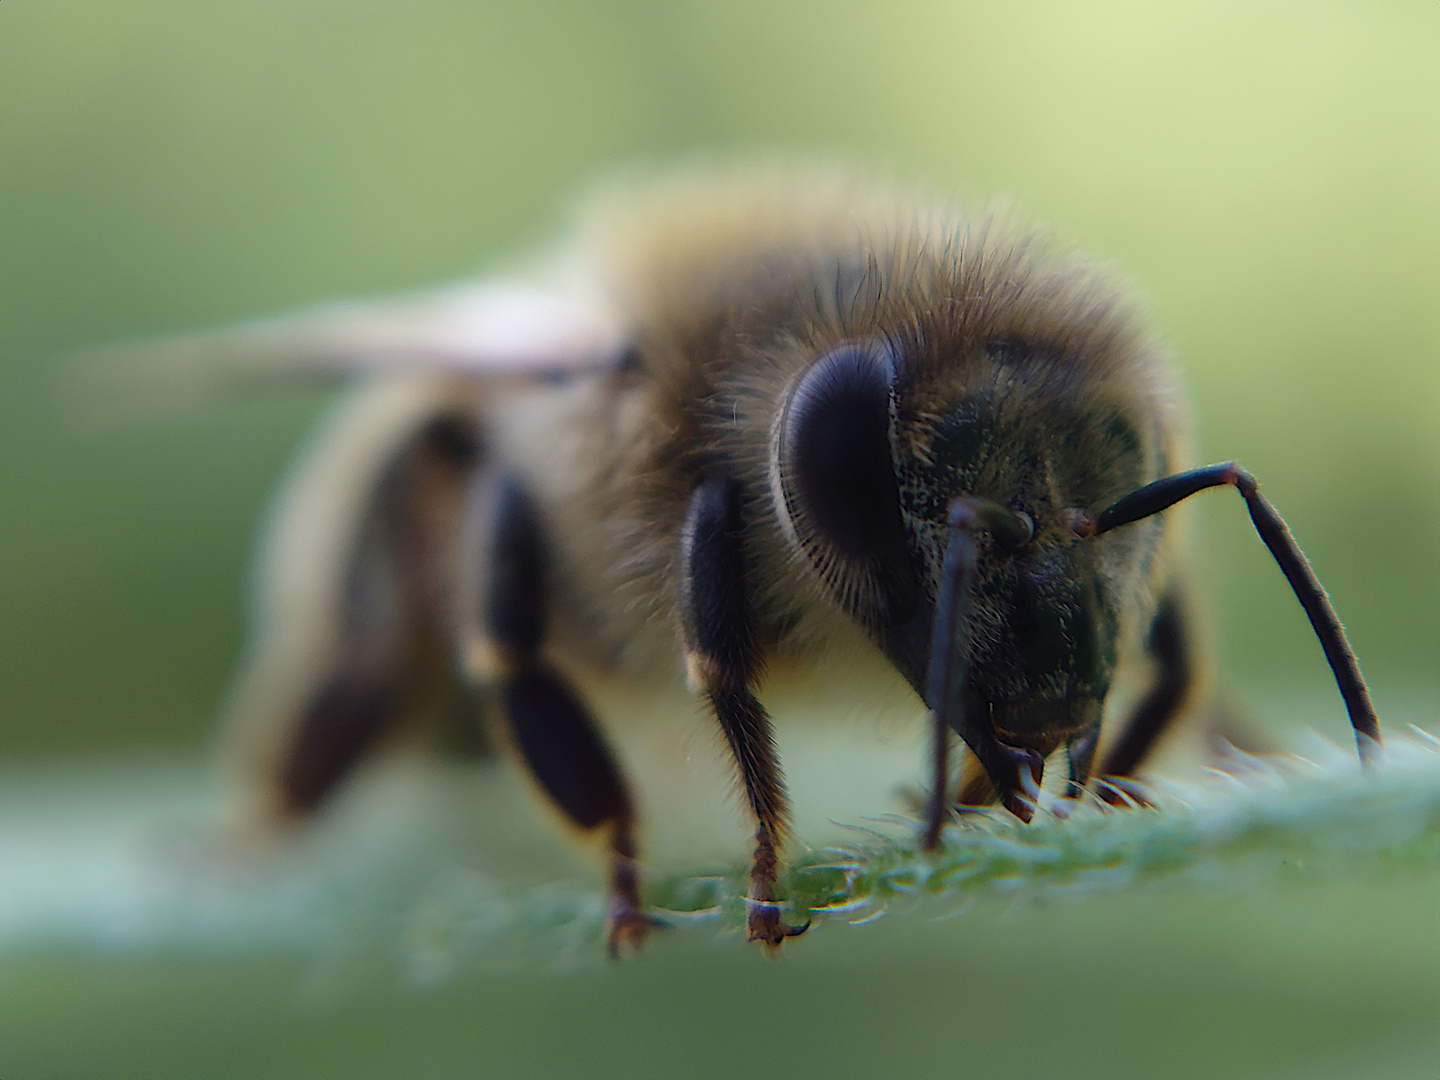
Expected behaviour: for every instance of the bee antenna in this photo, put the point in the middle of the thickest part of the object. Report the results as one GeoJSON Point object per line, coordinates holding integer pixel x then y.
{"type": "Point", "coordinates": [1164, 493]}
{"type": "Point", "coordinates": [1016, 771]}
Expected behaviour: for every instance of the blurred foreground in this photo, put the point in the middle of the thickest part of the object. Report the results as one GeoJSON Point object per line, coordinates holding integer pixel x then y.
{"type": "Point", "coordinates": [1278, 922]}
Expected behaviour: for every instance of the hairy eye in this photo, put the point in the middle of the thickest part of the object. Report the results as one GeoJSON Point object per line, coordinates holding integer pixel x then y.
{"type": "Point", "coordinates": [835, 455]}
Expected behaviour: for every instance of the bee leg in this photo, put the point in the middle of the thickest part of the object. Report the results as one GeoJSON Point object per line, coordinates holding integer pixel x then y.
{"type": "Point", "coordinates": [390, 653]}
{"type": "Point", "coordinates": [1081, 753]}
{"type": "Point", "coordinates": [549, 724]}
{"type": "Point", "coordinates": [343, 722]}
{"type": "Point", "coordinates": [569, 758]}
{"type": "Point", "coordinates": [1169, 642]}
{"type": "Point", "coordinates": [361, 700]}
{"type": "Point", "coordinates": [723, 662]}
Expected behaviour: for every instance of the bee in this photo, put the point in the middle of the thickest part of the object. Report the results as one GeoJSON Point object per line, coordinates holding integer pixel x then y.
{"type": "Point", "coordinates": [742, 417]}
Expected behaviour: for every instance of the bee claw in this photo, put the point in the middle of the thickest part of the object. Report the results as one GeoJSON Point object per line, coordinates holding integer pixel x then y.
{"type": "Point", "coordinates": [629, 926]}
{"type": "Point", "coordinates": [766, 926]}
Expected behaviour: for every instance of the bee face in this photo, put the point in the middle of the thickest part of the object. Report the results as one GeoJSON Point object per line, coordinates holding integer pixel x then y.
{"type": "Point", "coordinates": [876, 442]}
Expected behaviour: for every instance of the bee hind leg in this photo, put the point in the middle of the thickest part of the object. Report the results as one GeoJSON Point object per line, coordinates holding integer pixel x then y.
{"type": "Point", "coordinates": [342, 724]}
{"type": "Point", "coordinates": [389, 658]}
{"type": "Point", "coordinates": [549, 726]}
{"type": "Point", "coordinates": [335, 722]}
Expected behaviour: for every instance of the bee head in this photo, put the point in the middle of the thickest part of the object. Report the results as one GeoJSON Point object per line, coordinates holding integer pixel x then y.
{"type": "Point", "coordinates": [871, 455]}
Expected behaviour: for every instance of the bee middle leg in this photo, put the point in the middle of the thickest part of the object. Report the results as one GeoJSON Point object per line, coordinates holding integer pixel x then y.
{"type": "Point", "coordinates": [549, 725]}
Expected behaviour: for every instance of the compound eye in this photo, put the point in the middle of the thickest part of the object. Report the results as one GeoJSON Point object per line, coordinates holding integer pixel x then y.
{"type": "Point", "coordinates": [839, 478]}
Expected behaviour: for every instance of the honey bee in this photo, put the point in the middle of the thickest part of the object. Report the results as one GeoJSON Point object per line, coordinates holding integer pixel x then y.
{"type": "Point", "coordinates": [740, 417]}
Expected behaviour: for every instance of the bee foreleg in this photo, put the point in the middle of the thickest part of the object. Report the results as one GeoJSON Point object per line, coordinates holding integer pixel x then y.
{"type": "Point", "coordinates": [550, 726]}
{"type": "Point", "coordinates": [723, 662]}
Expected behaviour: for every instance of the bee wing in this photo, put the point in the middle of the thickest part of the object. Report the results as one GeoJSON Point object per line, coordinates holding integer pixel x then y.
{"type": "Point", "coordinates": [493, 332]}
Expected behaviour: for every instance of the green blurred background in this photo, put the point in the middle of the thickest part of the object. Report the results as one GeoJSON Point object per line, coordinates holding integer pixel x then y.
{"type": "Point", "coordinates": [1268, 175]}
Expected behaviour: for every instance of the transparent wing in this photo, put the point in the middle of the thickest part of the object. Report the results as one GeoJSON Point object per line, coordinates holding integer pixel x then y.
{"type": "Point", "coordinates": [489, 331]}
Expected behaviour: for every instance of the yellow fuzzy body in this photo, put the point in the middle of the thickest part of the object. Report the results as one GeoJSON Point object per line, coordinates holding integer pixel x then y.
{"type": "Point", "coordinates": [720, 290]}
